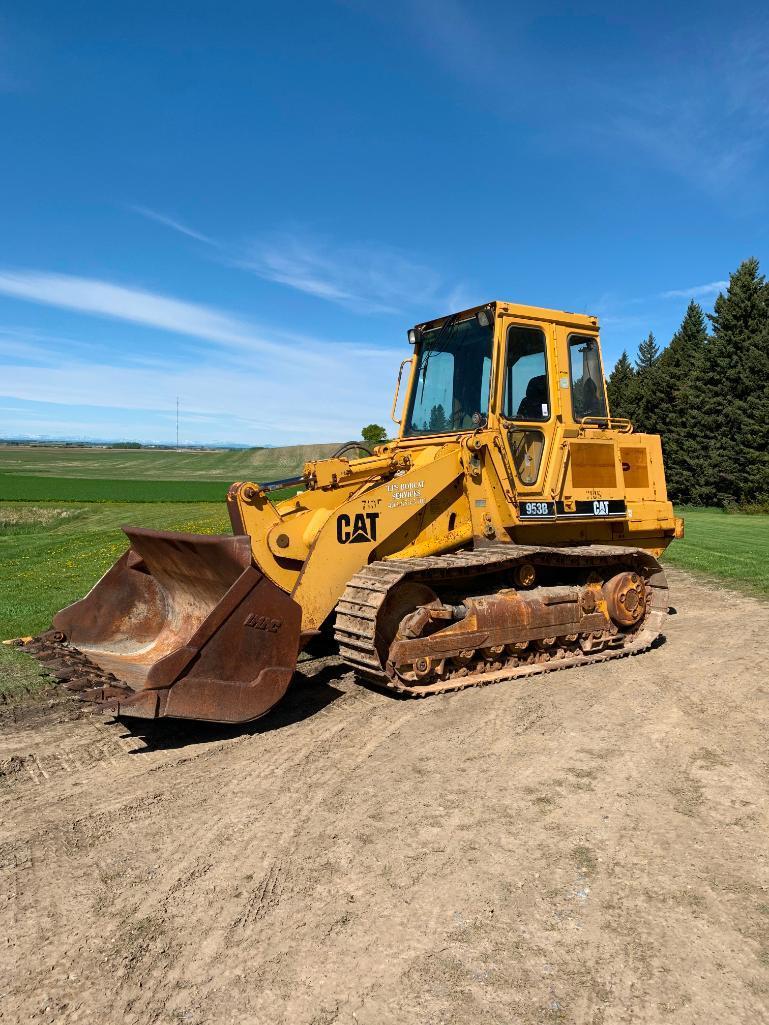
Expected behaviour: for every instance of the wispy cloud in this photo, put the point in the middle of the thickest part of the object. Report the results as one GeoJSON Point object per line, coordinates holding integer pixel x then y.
{"type": "Point", "coordinates": [33, 347]}
{"type": "Point", "coordinates": [363, 278]}
{"type": "Point", "coordinates": [174, 225]}
{"type": "Point", "coordinates": [40, 349]}
{"type": "Point", "coordinates": [260, 385]}
{"type": "Point", "coordinates": [138, 306]}
{"type": "Point", "coordinates": [262, 403]}
{"type": "Point", "coordinates": [696, 291]}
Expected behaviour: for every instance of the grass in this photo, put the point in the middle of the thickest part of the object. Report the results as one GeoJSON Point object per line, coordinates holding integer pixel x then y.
{"type": "Point", "coordinates": [732, 547]}
{"type": "Point", "coordinates": [75, 489]}
{"type": "Point", "coordinates": [158, 464]}
{"type": "Point", "coordinates": [46, 569]}
{"type": "Point", "coordinates": [31, 519]}
{"type": "Point", "coordinates": [20, 676]}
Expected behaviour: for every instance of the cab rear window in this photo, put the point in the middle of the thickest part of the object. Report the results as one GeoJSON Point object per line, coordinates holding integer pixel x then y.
{"type": "Point", "coordinates": [588, 394]}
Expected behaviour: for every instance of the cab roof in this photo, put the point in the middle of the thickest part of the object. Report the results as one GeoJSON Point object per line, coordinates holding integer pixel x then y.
{"type": "Point", "coordinates": [539, 313]}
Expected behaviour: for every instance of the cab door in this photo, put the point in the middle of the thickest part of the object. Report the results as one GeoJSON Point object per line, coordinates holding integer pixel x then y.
{"type": "Point", "coordinates": [527, 404]}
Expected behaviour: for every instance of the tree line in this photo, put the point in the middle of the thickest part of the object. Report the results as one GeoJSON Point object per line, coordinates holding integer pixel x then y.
{"type": "Point", "coordinates": [707, 394]}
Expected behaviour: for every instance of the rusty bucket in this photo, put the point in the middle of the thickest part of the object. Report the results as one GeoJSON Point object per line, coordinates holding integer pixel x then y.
{"type": "Point", "coordinates": [184, 625]}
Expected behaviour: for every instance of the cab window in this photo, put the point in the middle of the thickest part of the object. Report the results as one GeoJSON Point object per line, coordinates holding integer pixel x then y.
{"type": "Point", "coordinates": [526, 392]}
{"type": "Point", "coordinates": [588, 395]}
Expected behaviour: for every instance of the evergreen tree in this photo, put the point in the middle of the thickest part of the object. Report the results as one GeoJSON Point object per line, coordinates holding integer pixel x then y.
{"type": "Point", "coordinates": [644, 401]}
{"type": "Point", "coordinates": [675, 372]}
{"type": "Point", "coordinates": [620, 387]}
{"type": "Point", "coordinates": [731, 392]}
{"type": "Point", "coordinates": [648, 354]}
{"type": "Point", "coordinates": [437, 419]}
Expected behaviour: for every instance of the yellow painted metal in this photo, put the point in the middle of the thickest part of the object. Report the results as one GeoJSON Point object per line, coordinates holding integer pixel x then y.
{"type": "Point", "coordinates": [430, 494]}
{"type": "Point", "coordinates": [336, 553]}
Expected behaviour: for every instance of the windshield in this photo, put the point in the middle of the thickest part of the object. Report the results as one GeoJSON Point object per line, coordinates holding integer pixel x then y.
{"type": "Point", "coordinates": [452, 378]}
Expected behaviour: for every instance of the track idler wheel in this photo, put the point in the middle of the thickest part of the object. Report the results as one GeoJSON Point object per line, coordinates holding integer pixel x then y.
{"type": "Point", "coordinates": [625, 596]}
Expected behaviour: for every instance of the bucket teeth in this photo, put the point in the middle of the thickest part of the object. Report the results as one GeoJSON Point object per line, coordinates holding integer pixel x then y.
{"type": "Point", "coordinates": [63, 674]}
{"type": "Point", "coordinates": [115, 692]}
{"type": "Point", "coordinates": [75, 671]}
{"type": "Point", "coordinates": [105, 695]}
{"type": "Point", "coordinates": [48, 657]}
{"type": "Point", "coordinates": [81, 683]}
{"type": "Point", "coordinates": [91, 694]}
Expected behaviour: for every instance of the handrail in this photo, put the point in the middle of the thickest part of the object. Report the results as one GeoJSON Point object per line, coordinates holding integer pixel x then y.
{"type": "Point", "coordinates": [607, 423]}
{"type": "Point", "coordinates": [408, 359]}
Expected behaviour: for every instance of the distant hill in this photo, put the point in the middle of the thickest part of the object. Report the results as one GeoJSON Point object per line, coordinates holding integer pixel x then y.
{"type": "Point", "coordinates": [262, 464]}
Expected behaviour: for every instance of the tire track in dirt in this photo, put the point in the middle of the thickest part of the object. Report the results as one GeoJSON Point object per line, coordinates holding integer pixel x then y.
{"type": "Point", "coordinates": [95, 742]}
{"type": "Point", "coordinates": [324, 760]}
{"type": "Point", "coordinates": [192, 866]}
{"type": "Point", "coordinates": [583, 848]}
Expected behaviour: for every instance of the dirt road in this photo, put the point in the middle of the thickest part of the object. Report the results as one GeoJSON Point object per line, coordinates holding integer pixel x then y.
{"type": "Point", "coordinates": [591, 847]}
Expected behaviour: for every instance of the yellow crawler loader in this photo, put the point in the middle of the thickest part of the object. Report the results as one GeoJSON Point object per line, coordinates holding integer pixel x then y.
{"type": "Point", "coordinates": [512, 528]}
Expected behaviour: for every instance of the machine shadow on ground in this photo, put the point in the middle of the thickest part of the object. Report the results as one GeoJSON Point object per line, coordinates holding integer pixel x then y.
{"type": "Point", "coordinates": [308, 695]}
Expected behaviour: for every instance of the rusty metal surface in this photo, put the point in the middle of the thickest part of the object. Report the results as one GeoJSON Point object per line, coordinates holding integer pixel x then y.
{"type": "Point", "coordinates": [496, 621]}
{"type": "Point", "coordinates": [182, 625]}
{"type": "Point", "coordinates": [625, 598]}
{"type": "Point", "coordinates": [500, 635]}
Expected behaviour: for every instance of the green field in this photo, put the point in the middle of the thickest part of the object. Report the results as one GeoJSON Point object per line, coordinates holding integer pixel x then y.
{"type": "Point", "coordinates": [261, 464]}
{"type": "Point", "coordinates": [46, 565]}
{"type": "Point", "coordinates": [38, 474]}
{"type": "Point", "coordinates": [101, 489]}
{"type": "Point", "coordinates": [731, 547]}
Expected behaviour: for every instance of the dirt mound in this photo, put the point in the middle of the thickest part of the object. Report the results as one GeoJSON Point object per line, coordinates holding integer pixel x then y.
{"type": "Point", "coordinates": [584, 847]}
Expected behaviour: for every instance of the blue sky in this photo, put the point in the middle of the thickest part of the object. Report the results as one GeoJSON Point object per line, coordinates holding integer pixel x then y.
{"type": "Point", "coordinates": [247, 204]}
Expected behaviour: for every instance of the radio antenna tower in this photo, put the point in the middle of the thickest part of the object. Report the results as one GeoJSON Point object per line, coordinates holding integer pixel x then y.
{"type": "Point", "coordinates": [177, 423]}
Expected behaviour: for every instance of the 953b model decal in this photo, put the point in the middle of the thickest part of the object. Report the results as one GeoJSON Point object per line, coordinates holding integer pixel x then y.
{"type": "Point", "coordinates": [601, 508]}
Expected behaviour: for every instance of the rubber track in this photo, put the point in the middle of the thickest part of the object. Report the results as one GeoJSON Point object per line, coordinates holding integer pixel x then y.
{"type": "Point", "coordinates": [357, 609]}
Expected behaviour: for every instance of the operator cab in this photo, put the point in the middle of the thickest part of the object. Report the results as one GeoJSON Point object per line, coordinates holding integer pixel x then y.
{"type": "Point", "coordinates": [452, 380]}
